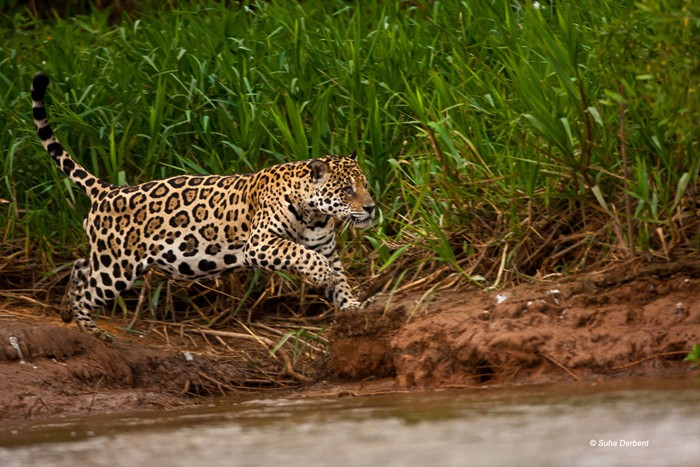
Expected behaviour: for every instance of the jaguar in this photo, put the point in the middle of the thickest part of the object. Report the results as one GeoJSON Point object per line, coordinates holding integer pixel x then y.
{"type": "Point", "coordinates": [188, 227]}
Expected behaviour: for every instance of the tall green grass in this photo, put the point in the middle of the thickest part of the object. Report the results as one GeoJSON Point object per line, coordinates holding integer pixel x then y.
{"type": "Point", "coordinates": [490, 130]}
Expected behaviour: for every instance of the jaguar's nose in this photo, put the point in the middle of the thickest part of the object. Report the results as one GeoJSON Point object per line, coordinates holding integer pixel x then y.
{"type": "Point", "coordinates": [369, 209]}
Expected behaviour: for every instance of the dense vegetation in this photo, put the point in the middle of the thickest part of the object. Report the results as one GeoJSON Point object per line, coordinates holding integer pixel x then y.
{"type": "Point", "coordinates": [502, 139]}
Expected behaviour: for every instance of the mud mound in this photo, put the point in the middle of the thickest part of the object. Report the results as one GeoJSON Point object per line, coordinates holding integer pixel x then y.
{"type": "Point", "coordinates": [59, 370]}
{"type": "Point", "coordinates": [361, 343]}
{"type": "Point", "coordinates": [632, 322]}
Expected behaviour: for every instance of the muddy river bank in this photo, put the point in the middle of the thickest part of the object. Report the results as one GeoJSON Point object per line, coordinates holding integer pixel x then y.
{"type": "Point", "coordinates": [630, 322]}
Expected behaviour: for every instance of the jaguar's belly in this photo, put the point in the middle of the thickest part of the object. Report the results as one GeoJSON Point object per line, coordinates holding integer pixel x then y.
{"type": "Point", "coordinates": [199, 265]}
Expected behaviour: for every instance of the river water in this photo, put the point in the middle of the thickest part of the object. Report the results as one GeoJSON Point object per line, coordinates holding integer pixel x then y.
{"type": "Point", "coordinates": [631, 422]}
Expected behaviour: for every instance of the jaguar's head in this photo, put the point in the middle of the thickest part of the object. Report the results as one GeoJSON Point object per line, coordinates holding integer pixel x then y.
{"type": "Point", "coordinates": [341, 190]}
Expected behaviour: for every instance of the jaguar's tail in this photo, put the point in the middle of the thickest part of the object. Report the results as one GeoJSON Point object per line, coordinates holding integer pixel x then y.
{"type": "Point", "coordinates": [81, 177]}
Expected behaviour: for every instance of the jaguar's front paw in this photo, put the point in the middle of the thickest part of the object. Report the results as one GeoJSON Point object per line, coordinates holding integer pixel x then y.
{"type": "Point", "coordinates": [354, 304]}
{"type": "Point", "coordinates": [373, 299]}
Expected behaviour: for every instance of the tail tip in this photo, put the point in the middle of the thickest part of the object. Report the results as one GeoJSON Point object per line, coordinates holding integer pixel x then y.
{"type": "Point", "coordinates": [41, 81]}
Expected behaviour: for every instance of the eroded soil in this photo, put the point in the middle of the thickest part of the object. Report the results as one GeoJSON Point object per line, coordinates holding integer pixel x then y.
{"type": "Point", "coordinates": [628, 322]}
{"type": "Point", "coordinates": [64, 371]}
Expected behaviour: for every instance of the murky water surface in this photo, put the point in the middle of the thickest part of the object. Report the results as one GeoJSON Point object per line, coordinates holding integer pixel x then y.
{"type": "Point", "coordinates": [643, 422]}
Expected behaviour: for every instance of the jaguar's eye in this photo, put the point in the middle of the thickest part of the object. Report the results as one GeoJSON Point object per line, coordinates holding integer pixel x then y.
{"type": "Point", "coordinates": [348, 191]}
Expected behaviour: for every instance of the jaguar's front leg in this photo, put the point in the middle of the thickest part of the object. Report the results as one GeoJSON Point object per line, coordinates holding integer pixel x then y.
{"type": "Point", "coordinates": [341, 293]}
{"type": "Point", "coordinates": [321, 239]}
{"type": "Point", "coordinates": [273, 253]}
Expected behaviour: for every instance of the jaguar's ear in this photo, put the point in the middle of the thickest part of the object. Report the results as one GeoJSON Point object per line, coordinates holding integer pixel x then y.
{"type": "Point", "coordinates": [319, 170]}
{"type": "Point", "coordinates": [353, 156]}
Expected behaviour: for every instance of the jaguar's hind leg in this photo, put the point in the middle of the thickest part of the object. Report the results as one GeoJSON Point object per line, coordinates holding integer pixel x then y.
{"type": "Point", "coordinates": [77, 282]}
{"type": "Point", "coordinates": [80, 299]}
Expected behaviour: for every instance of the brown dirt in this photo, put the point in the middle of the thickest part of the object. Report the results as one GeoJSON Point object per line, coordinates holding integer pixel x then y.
{"type": "Point", "coordinates": [64, 371]}
{"type": "Point", "coordinates": [629, 322]}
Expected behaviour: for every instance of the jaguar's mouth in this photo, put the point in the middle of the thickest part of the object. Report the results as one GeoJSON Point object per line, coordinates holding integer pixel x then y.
{"type": "Point", "coordinates": [360, 221]}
